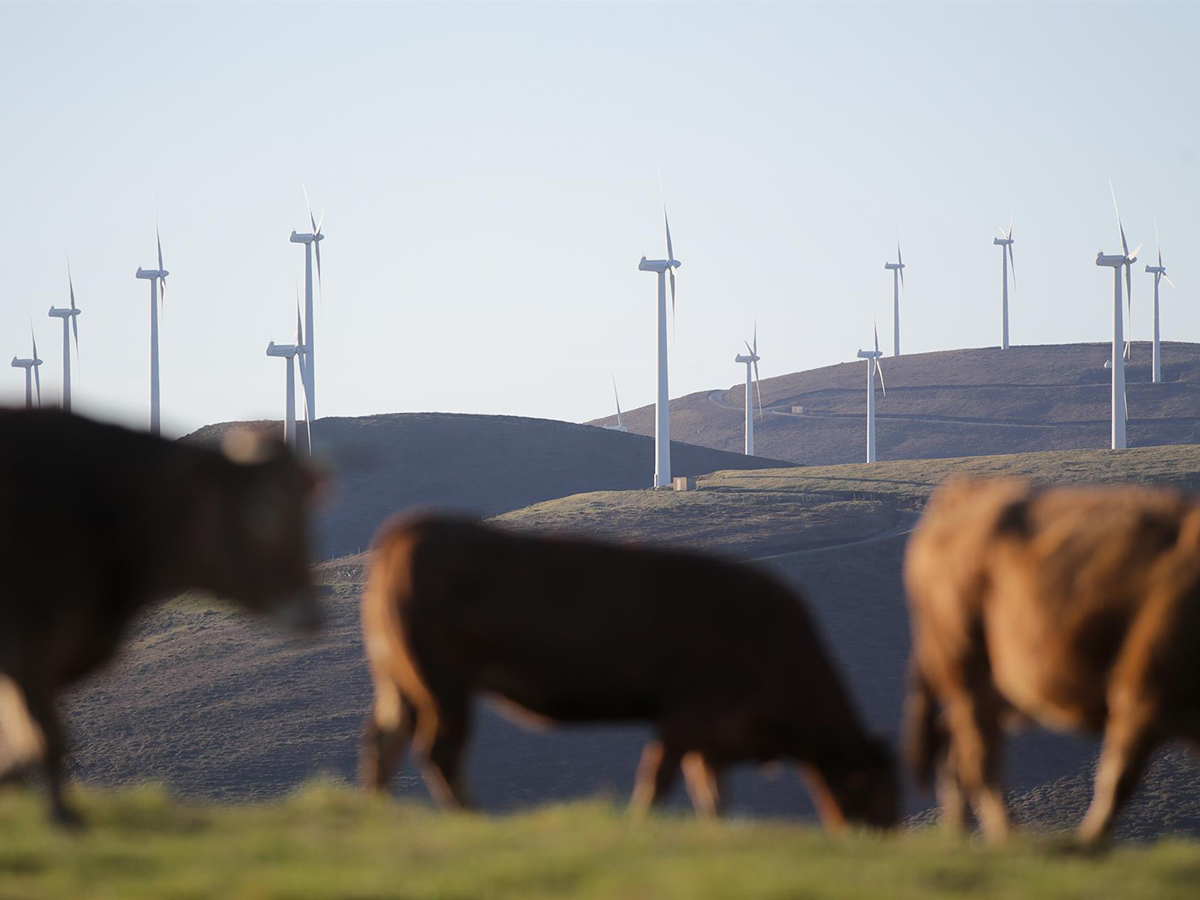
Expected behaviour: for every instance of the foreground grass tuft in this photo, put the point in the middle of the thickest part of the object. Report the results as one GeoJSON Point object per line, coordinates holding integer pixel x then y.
{"type": "Point", "coordinates": [326, 841]}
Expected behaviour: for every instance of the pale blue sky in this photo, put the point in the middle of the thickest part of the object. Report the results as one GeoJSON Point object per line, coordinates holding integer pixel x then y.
{"type": "Point", "coordinates": [489, 179]}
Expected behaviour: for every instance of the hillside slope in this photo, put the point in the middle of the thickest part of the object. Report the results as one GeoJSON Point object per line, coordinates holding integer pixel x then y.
{"type": "Point", "coordinates": [476, 464]}
{"type": "Point", "coordinates": [216, 706]}
{"type": "Point", "coordinates": [950, 404]}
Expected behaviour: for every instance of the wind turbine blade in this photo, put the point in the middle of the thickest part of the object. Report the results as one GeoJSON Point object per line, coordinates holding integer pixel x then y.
{"type": "Point", "coordinates": [320, 286]}
{"type": "Point", "coordinates": [308, 206]}
{"type": "Point", "coordinates": [307, 416]}
{"type": "Point", "coordinates": [158, 238]}
{"type": "Point", "coordinates": [672, 271]}
{"type": "Point", "coordinates": [37, 375]}
{"type": "Point", "coordinates": [1011, 214]}
{"type": "Point", "coordinates": [1000, 228]}
{"type": "Point", "coordinates": [758, 389]}
{"type": "Point", "coordinates": [1157, 245]}
{"type": "Point", "coordinates": [1137, 250]}
{"type": "Point", "coordinates": [299, 327]}
{"type": "Point", "coordinates": [876, 324]}
{"type": "Point", "coordinates": [320, 222]}
{"type": "Point", "coordinates": [617, 398]}
{"type": "Point", "coordinates": [1012, 265]}
{"type": "Point", "coordinates": [1120, 227]}
{"type": "Point", "coordinates": [879, 369]}
{"type": "Point", "coordinates": [754, 352]}
{"type": "Point", "coordinates": [1168, 280]}
{"type": "Point", "coordinates": [74, 318]}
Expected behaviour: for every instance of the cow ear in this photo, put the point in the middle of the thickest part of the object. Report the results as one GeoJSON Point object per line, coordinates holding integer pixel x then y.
{"type": "Point", "coordinates": [246, 446]}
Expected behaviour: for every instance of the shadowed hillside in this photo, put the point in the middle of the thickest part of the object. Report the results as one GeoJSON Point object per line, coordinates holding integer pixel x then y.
{"type": "Point", "coordinates": [477, 464]}
{"type": "Point", "coordinates": [216, 706]}
{"type": "Point", "coordinates": [949, 404]}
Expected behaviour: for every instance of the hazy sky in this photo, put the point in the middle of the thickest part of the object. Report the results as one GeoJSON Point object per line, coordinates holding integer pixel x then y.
{"type": "Point", "coordinates": [489, 180]}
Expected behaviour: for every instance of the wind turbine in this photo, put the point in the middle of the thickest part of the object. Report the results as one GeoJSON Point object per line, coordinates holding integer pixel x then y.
{"type": "Point", "coordinates": [1005, 242]}
{"type": "Point", "coordinates": [620, 426]}
{"type": "Point", "coordinates": [897, 282]}
{"type": "Point", "coordinates": [67, 315]}
{"type": "Point", "coordinates": [1125, 259]}
{"type": "Point", "coordinates": [158, 293]}
{"type": "Point", "coordinates": [289, 352]}
{"type": "Point", "coordinates": [312, 243]}
{"type": "Point", "coordinates": [751, 359]}
{"type": "Point", "coordinates": [662, 422]}
{"type": "Point", "coordinates": [27, 365]}
{"type": "Point", "coordinates": [872, 358]}
{"type": "Point", "coordinates": [1160, 274]}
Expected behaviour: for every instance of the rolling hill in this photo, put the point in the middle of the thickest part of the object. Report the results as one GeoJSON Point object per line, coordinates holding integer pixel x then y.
{"type": "Point", "coordinates": [217, 707]}
{"type": "Point", "coordinates": [950, 404]}
{"type": "Point", "coordinates": [482, 465]}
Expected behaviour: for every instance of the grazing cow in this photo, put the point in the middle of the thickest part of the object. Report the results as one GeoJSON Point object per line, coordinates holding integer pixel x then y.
{"type": "Point", "coordinates": [721, 659]}
{"type": "Point", "coordinates": [1075, 607]}
{"type": "Point", "coordinates": [97, 523]}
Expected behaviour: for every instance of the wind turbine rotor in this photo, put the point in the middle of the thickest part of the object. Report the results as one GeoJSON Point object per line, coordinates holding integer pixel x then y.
{"type": "Point", "coordinates": [754, 361]}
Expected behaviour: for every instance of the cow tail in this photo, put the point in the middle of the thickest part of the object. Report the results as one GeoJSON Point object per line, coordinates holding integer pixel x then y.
{"type": "Point", "coordinates": [925, 739]}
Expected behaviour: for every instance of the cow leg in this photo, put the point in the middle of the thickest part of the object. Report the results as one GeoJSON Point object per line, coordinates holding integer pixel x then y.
{"type": "Point", "coordinates": [43, 716]}
{"type": "Point", "coordinates": [442, 737]}
{"type": "Point", "coordinates": [956, 813]}
{"type": "Point", "coordinates": [703, 784]}
{"type": "Point", "coordinates": [975, 758]}
{"type": "Point", "coordinates": [387, 732]}
{"type": "Point", "coordinates": [655, 775]}
{"type": "Point", "coordinates": [24, 743]}
{"type": "Point", "coordinates": [1128, 743]}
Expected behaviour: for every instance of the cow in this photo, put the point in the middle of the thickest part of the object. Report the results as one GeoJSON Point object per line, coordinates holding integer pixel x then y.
{"type": "Point", "coordinates": [1076, 608]}
{"type": "Point", "coordinates": [720, 659]}
{"type": "Point", "coordinates": [97, 523]}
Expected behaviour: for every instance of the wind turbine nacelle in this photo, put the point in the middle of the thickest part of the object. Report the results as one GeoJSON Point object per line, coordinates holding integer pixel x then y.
{"type": "Point", "coordinates": [57, 313]}
{"type": "Point", "coordinates": [297, 238]}
{"type": "Point", "coordinates": [870, 354]}
{"type": "Point", "coordinates": [151, 274]}
{"type": "Point", "coordinates": [286, 351]}
{"type": "Point", "coordinates": [1002, 241]}
{"type": "Point", "coordinates": [1113, 260]}
{"type": "Point", "coordinates": [893, 265]}
{"type": "Point", "coordinates": [1157, 270]}
{"type": "Point", "coordinates": [746, 359]}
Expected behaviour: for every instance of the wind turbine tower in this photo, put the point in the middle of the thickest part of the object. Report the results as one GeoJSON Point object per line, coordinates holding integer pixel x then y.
{"type": "Point", "coordinates": [31, 372]}
{"type": "Point", "coordinates": [872, 358]}
{"type": "Point", "coordinates": [1160, 274]}
{"type": "Point", "coordinates": [312, 245]}
{"type": "Point", "coordinates": [662, 421]}
{"type": "Point", "coordinates": [897, 282]}
{"type": "Point", "coordinates": [289, 352]}
{"type": "Point", "coordinates": [158, 292]}
{"type": "Point", "coordinates": [70, 325]}
{"type": "Point", "coordinates": [1116, 262]}
{"type": "Point", "coordinates": [1005, 242]}
{"type": "Point", "coordinates": [751, 358]}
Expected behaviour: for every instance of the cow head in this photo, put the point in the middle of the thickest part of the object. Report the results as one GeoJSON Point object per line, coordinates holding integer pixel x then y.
{"type": "Point", "coordinates": [859, 788]}
{"type": "Point", "coordinates": [252, 533]}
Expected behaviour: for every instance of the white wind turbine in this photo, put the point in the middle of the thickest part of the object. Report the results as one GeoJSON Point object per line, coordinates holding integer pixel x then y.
{"type": "Point", "coordinates": [312, 244]}
{"type": "Point", "coordinates": [67, 315]}
{"type": "Point", "coordinates": [1005, 242]}
{"type": "Point", "coordinates": [620, 426]}
{"type": "Point", "coordinates": [289, 352]}
{"type": "Point", "coordinates": [158, 293]}
{"type": "Point", "coordinates": [28, 365]}
{"type": "Point", "coordinates": [897, 269]}
{"type": "Point", "coordinates": [1160, 274]}
{"type": "Point", "coordinates": [1125, 259]}
{"type": "Point", "coordinates": [662, 421]}
{"type": "Point", "coordinates": [751, 359]}
{"type": "Point", "coordinates": [872, 358]}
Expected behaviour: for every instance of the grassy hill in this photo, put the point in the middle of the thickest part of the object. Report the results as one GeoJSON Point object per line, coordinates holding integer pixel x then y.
{"type": "Point", "coordinates": [325, 844]}
{"type": "Point", "coordinates": [949, 404]}
{"type": "Point", "coordinates": [216, 706]}
{"type": "Point", "coordinates": [477, 464]}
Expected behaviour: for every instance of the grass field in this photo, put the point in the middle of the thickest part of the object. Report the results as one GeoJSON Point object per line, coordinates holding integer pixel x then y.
{"type": "Point", "coordinates": [327, 842]}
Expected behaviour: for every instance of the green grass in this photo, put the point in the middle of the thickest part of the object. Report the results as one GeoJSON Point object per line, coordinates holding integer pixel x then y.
{"type": "Point", "coordinates": [329, 842]}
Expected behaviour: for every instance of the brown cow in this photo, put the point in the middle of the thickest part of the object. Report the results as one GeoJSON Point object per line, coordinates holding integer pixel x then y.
{"type": "Point", "coordinates": [97, 523]}
{"type": "Point", "coordinates": [721, 659]}
{"type": "Point", "coordinates": [1076, 607]}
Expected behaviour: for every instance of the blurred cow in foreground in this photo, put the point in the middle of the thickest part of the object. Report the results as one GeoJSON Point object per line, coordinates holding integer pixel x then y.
{"type": "Point", "coordinates": [97, 523]}
{"type": "Point", "coordinates": [721, 659]}
{"type": "Point", "coordinates": [1076, 607]}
